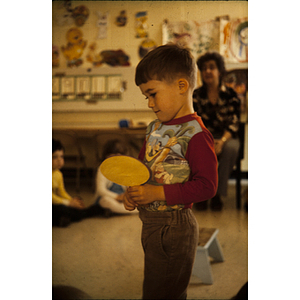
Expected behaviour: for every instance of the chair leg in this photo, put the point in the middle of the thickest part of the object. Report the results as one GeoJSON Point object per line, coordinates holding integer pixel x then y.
{"type": "Point", "coordinates": [78, 176]}
{"type": "Point", "coordinates": [238, 185]}
{"type": "Point", "coordinates": [202, 268]}
{"type": "Point", "coordinates": [215, 250]}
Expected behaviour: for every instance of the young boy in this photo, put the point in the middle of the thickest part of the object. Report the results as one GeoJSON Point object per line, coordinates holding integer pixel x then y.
{"type": "Point", "coordinates": [64, 207]}
{"type": "Point", "coordinates": [179, 150]}
{"type": "Point", "coordinates": [67, 209]}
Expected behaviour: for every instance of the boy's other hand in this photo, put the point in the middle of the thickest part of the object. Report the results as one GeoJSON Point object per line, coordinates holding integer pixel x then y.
{"type": "Point", "coordinates": [145, 194]}
{"type": "Point", "coordinates": [128, 203]}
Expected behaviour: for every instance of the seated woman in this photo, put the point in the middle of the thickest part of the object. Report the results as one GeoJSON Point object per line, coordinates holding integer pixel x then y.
{"type": "Point", "coordinates": [109, 195]}
{"type": "Point", "coordinates": [219, 108]}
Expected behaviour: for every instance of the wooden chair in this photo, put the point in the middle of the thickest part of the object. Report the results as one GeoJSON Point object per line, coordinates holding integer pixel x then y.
{"type": "Point", "coordinates": [237, 173]}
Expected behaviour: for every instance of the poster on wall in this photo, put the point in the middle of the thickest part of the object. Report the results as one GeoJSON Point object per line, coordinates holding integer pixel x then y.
{"type": "Point", "coordinates": [228, 37]}
{"type": "Point", "coordinates": [199, 37]}
{"type": "Point", "coordinates": [234, 40]}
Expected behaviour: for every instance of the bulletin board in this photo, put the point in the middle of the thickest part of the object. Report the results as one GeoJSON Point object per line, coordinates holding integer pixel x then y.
{"type": "Point", "coordinates": [98, 89]}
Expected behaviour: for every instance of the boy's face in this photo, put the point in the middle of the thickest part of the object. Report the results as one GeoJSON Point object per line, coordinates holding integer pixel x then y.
{"type": "Point", "coordinates": [165, 99]}
{"type": "Point", "coordinates": [57, 160]}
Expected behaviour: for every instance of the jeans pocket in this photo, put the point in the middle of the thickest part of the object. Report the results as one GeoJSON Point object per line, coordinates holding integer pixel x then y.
{"type": "Point", "coordinates": [166, 240]}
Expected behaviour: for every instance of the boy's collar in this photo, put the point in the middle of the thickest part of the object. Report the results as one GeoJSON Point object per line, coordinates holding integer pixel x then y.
{"type": "Point", "coordinates": [180, 120]}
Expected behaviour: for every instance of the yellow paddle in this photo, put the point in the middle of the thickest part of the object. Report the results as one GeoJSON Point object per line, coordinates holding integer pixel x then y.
{"type": "Point", "coordinates": [125, 170]}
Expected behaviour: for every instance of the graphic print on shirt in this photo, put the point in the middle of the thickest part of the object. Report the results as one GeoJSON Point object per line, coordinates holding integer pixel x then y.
{"type": "Point", "coordinates": [166, 146]}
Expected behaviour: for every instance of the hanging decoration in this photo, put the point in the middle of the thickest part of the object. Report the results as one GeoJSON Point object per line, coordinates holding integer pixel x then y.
{"type": "Point", "coordinates": [80, 14]}
{"type": "Point", "coordinates": [121, 20]}
{"type": "Point", "coordinates": [102, 24]}
{"type": "Point", "coordinates": [63, 15]}
{"type": "Point", "coordinates": [66, 15]}
{"type": "Point", "coordinates": [55, 56]}
{"type": "Point", "coordinates": [93, 56]}
{"type": "Point", "coordinates": [110, 57]}
{"type": "Point", "coordinates": [141, 25]}
{"type": "Point", "coordinates": [115, 58]}
{"type": "Point", "coordinates": [74, 48]}
{"type": "Point", "coordinates": [146, 46]}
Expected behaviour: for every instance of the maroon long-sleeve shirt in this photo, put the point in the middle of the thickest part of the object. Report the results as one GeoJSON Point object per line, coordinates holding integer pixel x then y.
{"type": "Point", "coordinates": [181, 156]}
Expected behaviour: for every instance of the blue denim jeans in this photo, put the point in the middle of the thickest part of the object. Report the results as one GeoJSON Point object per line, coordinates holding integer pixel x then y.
{"type": "Point", "coordinates": [169, 241]}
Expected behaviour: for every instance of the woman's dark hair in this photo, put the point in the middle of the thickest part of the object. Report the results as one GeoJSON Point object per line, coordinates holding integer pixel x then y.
{"type": "Point", "coordinates": [57, 145]}
{"type": "Point", "coordinates": [215, 56]}
{"type": "Point", "coordinates": [167, 62]}
{"type": "Point", "coordinates": [115, 146]}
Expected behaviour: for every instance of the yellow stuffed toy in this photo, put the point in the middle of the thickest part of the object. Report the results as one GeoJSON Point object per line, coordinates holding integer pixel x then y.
{"type": "Point", "coordinates": [74, 48]}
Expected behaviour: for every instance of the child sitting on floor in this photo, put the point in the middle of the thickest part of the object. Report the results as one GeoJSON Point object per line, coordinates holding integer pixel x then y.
{"type": "Point", "coordinates": [66, 209]}
{"type": "Point", "coordinates": [109, 195]}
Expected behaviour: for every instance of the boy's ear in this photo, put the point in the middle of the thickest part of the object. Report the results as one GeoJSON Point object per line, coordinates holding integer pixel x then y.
{"type": "Point", "coordinates": [183, 85]}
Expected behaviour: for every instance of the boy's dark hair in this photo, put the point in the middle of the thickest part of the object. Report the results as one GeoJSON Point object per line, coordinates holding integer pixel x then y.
{"type": "Point", "coordinates": [215, 56]}
{"type": "Point", "coordinates": [167, 62]}
{"type": "Point", "coordinates": [57, 145]}
{"type": "Point", "coordinates": [115, 146]}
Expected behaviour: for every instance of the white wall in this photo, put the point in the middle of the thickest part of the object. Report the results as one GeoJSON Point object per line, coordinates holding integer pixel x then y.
{"type": "Point", "coordinates": [124, 38]}
{"type": "Point", "coordinates": [83, 115]}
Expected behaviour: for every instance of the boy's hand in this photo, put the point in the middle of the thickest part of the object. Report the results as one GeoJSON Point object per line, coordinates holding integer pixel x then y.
{"type": "Point", "coordinates": [147, 193]}
{"type": "Point", "coordinates": [128, 203]}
